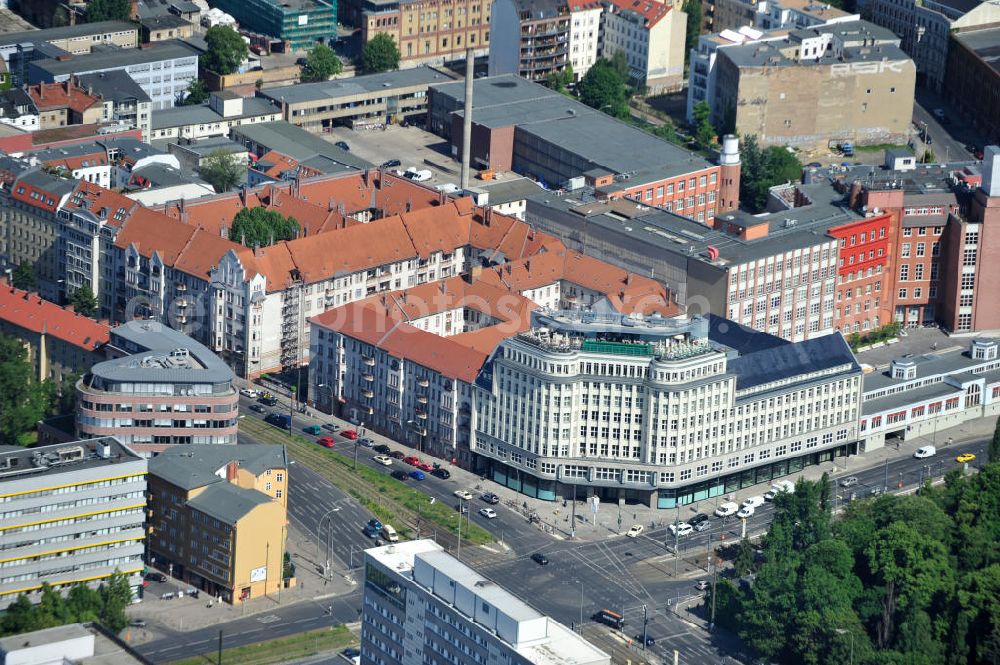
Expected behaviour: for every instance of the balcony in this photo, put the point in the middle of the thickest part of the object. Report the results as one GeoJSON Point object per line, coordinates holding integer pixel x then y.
{"type": "Point", "coordinates": [367, 394]}
{"type": "Point", "coordinates": [368, 377]}
{"type": "Point", "coordinates": [422, 399]}
{"type": "Point", "coordinates": [180, 287]}
{"type": "Point", "coordinates": [181, 303]}
{"type": "Point", "coordinates": [421, 414]}
{"type": "Point", "coordinates": [369, 360]}
{"type": "Point", "coordinates": [423, 383]}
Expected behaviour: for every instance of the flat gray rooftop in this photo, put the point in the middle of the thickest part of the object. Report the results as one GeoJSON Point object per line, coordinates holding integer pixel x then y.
{"type": "Point", "coordinates": [195, 465]}
{"type": "Point", "coordinates": [63, 458]}
{"type": "Point", "coordinates": [297, 143]}
{"type": "Point", "coordinates": [66, 32]}
{"type": "Point", "coordinates": [154, 359]}
{"type": "Point", "coordinates": [387, 82]}
{"type": "Point", "coordinates": [116, 58]}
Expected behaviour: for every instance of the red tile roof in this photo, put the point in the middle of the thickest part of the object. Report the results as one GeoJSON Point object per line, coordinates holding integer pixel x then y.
{"type": "Point", "coordinates": [102, 202]}
{"type": "Point", "coordinates": [28, 311]}
{"type": "Point", "coordinates": [48, 96]}
{"type": "Point", "coordinates": [651, 10]}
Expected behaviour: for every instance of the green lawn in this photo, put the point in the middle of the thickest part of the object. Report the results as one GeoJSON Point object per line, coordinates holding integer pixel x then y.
{"type": "Point", "coordinates": [392, 501]}
{"type": "Point", "coordinates": [280, 650]}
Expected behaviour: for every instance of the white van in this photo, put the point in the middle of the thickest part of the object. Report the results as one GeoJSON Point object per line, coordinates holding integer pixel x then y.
{"type": "Point", "coordinates": [389, 534]}
{"type": "Point", "coordinates": [779, 487]}
{"type": "Point", "coordinates": [926, 451]}
{"type": "Point", "coordinates": [727, 509]}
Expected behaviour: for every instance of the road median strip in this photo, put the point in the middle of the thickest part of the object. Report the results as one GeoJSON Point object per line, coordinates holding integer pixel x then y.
{"type": "Point", "coordinates": [389, 499]}
{"type": "Point", "coordinates": [279, 650]}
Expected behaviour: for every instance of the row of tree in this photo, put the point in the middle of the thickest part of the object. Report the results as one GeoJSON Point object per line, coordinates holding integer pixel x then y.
{"type": "Point", "coordinates": [105, 605]}
{"type": "Point", "coordinates": [899, 580]}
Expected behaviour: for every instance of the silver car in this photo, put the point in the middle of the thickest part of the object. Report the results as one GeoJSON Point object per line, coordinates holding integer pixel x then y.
{"type": "Point", "coordinates": [849, 481]}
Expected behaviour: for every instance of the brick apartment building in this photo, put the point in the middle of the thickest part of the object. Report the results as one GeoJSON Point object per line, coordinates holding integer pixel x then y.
{"type": "Point", "coordinates": [425, 31]}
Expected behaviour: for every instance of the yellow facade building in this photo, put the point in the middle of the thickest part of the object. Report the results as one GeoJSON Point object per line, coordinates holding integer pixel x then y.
{"type": "Point", "coordinates": [218, 517]}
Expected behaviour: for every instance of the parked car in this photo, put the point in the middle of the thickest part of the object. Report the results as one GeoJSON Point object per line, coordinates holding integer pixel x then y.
{"type": "Point", "coordinates": [681, 529]}
{"type": "Point", "coordinates": [390, 164]}
{"type": "Point", "coordinates": [418, 475]}
{"type": "Point", "coordinates": [634, 531]}
{"type": "Point", "coordinates": [343, 145]}
{"type": "Point", "coordinates": [156, 577]}
{"type": "Point", "coordinates": [702, 526]}
{"type": "Point", "coordinates": [399, 475]}
{"type": "Point", "coordinates": [349, 434]}
{"type": "Point", "coordinates": [325, 441]}
{"type": "Point", "coordinates": [462, 508]}
{"type": "Point", "coordinates": [382, 449]}
{"type": "Point", "coordinates": [965, 457]}
{"type": "Point", "coordinates": [443, 474]}
{"type": "Point", "coordinates": [331, 427]}
{"type": "Point", "coordinates": [384, 460]}
{"type": "Point", "coordinates": [727, 509]}
{"type": "Point", "coordinates": [257, 408]}
{"type": "Point", "coordinates": [745, 512]}
{"type": "Point", "coordinates": [424, 466]}
{"type": "Point", "coordinates": [488, 513]}
{"type": "Point", "coordinates": [465, 495]}
{"type": "Point", "coordinates": [268, 401]}
{"type": "Point", "coordinates": [777, 488]}
{"type": "Point", "coordinates": [849, 481]}
{"type": "Point", "coordinates": [540, 559]}
{"type": "Point", "coordinates": [397, 454]}
{"type": "Point", "coordinates": [315, 430]}
{"type": "Point", "coordinates": [137, 623]}
{"type": "Point", "coordinates": [698, 519]}
{"type": "Point", "coordinates": [491, 498]}
{"type": "Point", "coordinates": [926, 451]}
{"type": "Point", "coordinates": [701, 585]}
{"type": "Point", "coordinates": [366, 442]}
{"type": "Point", "coordinates": [754, 501]}
{"type": "Point", "coordinates": [412, 460]}
{"type": "Point", "coordinates": [249, 392]}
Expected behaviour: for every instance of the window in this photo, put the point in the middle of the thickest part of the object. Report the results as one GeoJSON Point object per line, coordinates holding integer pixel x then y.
{"type": "Point", "coordinates": [920, 248]}
{"type": "Point", "coordinates": [904, 250]}
{"type": "Point", "coordinates": [902, 294]}
{"type": "Point", "coordinates": [904, 272]}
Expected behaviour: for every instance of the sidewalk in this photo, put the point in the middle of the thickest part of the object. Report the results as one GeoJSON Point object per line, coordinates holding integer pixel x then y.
{"type": "Point", "coordinates": [166, 617]}
{"type": "Point", "coordinates": [613, 520]}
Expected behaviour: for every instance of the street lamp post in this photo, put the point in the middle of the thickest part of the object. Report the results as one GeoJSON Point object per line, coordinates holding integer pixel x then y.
{"type": "Point", "coordinates": [841, 631]}
{"type": "Point", "coordinates": [357, 440]}
{"type": "Point", "coordinates": [458, 555]}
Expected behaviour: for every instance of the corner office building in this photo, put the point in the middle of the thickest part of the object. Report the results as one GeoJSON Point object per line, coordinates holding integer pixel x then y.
{"type": "Point", "coordinates": [421, 605]}
{"type": "Point", "coordinates": [659, 411]}
{"type": "Point", "coordinates": [72, 513]}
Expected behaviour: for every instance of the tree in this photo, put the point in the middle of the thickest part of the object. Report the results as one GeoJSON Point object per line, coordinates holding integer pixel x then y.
{"type": "Point", "coordinates": [109, 10]}
{"type": "Point", "coordinates": [116, 596]}
{"type": "Point", "coordinates": [380, 54]}
{"type": "Point", "coordinates": [23, 399]}
{"type": "Point", "coordinates": [226, 50]}
{"type": "Point", "coordinates": [763, 169]}
{"type": "Point", "coordinates": [262, 227]}
{"type": "Point", "coordinates": [929, 156]}
{"type": "Point", "coordinates": [704, 131]}
{"type": "Point", "coordinates": [603, 89]}
{"type": "Point", "coordinates": [84, 301]}
{"type": "Point", "coordinates": [197, 93]}
{"type": "Point", "coordinates": [560, 81]}
{"type": "Point", "coordinates": [222, 170]}
{"type": "Point", "coordinates": [321, 64]}
{"type": "Point", "coordinates": [619, 62]}
{"type": "Point", "coordinates": [24, 277]}
{"type": "Point", "coordinates": [693, 10]}
{"type": "Point", "coordinates": [743, 563]}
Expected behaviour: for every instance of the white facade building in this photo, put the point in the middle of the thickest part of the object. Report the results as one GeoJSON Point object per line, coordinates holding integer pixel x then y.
{"type": "Point", "coordinates": [657, 410]}
{"type": "Point", "coordinates": [584, 34]}
{"type": "Point", "coordinates": [651, 35]}
{"type": "Point", "coordinates": [421, 605]}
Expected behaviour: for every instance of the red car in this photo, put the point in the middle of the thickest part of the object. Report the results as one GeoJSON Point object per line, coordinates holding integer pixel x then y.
{"type": "Point", "coordinates": [325, 441]}
{"type": "Point", "coordinates": [424, 466]}
{"type": "Point", "coordinates": [411, 460]}
{"type": "Point", "coordinates": [349, 434]}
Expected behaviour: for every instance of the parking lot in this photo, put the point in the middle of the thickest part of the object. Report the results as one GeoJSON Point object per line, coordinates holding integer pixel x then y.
{"type": "Point", "coordinates": [412, 146]}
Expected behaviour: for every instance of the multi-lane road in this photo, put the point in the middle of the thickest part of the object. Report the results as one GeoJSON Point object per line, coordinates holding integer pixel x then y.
{"type": "Point", "coordinates": [613, 572]}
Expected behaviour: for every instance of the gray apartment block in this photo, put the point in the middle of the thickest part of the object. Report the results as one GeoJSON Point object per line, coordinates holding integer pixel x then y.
{"type": "Point", "coordinates": [72, 512]}
{"type": "Point", "coordinates": [421, 605]}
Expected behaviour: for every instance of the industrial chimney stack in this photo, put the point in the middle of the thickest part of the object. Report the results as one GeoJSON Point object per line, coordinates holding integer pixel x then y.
{"type": "Point", "coordinates": [470, 65]}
